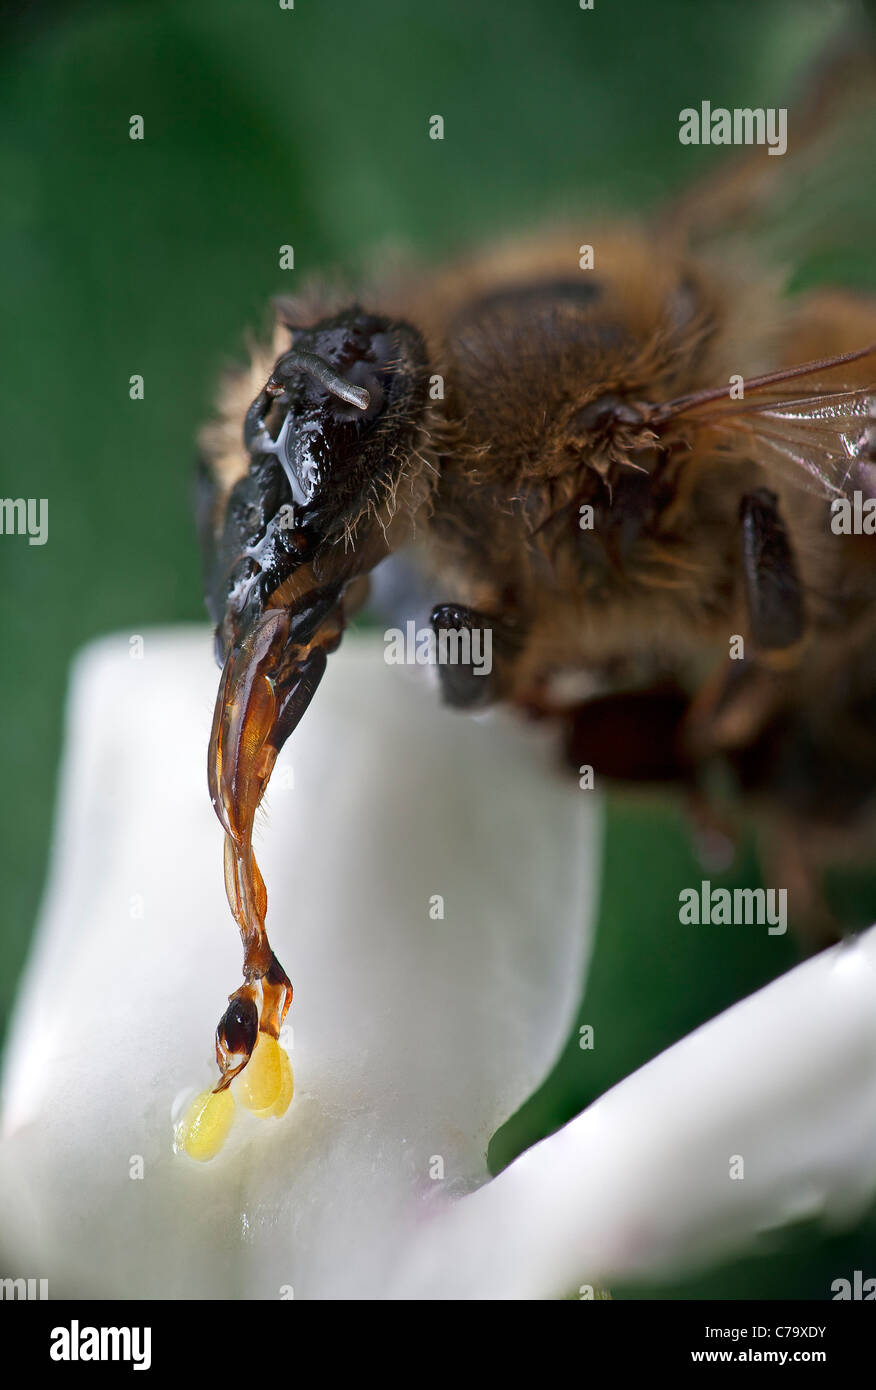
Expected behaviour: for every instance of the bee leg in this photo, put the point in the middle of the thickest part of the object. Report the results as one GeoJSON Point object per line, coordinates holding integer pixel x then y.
{"type": "Point", "coordinates": [773, 592]}
{"type": "Point", "coordinates": [790, 857]}
{"type": "Point", "coordinates": [473, 651]}
{"type": "Point", "coordinates": [728, 712]}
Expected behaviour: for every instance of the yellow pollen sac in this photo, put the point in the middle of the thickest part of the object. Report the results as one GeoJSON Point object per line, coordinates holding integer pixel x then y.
{"type": "Point", "coordinates": [287, 1087]}
{"type": "Point", "coordinates": [206, 1124]}
{"type": "Point", "coordinates": [260, 1084]}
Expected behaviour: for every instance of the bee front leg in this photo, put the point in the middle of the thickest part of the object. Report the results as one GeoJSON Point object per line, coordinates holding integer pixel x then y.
{"type": "Point", "coordinates": [474, 654]}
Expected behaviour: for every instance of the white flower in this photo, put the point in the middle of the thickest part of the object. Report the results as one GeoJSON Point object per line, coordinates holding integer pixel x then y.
{"type": "Point", "coordinates": [415, 1036]}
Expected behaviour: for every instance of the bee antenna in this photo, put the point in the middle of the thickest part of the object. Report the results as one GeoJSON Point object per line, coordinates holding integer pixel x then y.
{"type": "Point", "coordinates": [321, 371]}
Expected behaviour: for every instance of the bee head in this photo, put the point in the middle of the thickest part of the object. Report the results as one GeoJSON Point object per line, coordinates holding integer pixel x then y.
{"type": "Point", "coordinates": [327, 439]}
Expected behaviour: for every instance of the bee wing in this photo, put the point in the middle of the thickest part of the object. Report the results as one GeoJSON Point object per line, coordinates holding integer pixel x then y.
{"type": "Point", "coordinates": [817, 442]}
{"type": "Point", "coordinates": [821, 436]}
{"type": "Point", "coordinates": [748, 203]}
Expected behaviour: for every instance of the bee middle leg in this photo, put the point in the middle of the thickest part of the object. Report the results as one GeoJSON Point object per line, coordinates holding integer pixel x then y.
{"type": "Point", "coordinates": [744, 692]}
{"type": "Point", "coordinates": [773, 592]}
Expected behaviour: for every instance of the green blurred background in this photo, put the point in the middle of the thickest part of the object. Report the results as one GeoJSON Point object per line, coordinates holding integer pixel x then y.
{"type": "Point", "coordinates": [265, 126]}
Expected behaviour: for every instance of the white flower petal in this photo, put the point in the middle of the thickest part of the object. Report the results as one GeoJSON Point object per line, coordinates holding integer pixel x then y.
{"type": "Point", "coordinates": [413, 1038]}
{"type": "Point", "coordinates": [640, 1184]}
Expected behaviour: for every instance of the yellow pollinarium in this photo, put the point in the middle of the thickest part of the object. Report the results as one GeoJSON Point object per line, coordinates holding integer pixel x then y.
{"type": "Point", "coordinates": [264, 1086]}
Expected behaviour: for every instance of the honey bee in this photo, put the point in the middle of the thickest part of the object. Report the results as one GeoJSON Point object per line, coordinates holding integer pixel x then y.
{"type": "Point", "coordinates": [624, 473]}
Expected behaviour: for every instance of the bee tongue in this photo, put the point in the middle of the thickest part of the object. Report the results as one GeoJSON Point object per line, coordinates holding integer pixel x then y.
{"type": "Point", "coordinates": [267, 683]}
{"type": "Point", "coordinates": [241, 755]}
